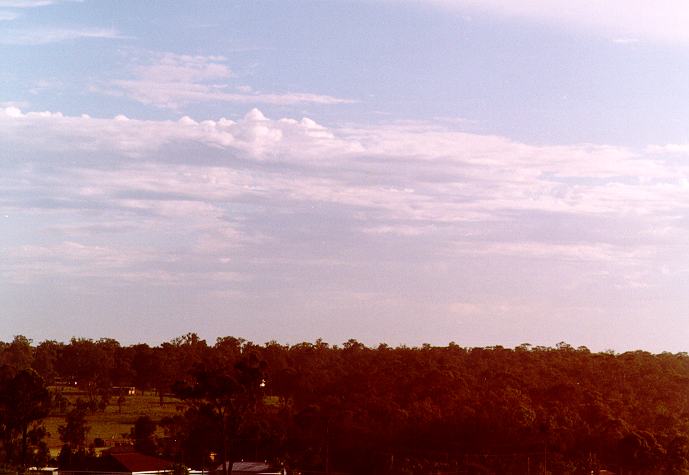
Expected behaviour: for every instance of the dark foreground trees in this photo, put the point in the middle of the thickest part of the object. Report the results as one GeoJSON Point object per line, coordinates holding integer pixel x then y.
{"type": "Point", "coordinates": [24, 402]}
{"type": "Point", "coordinates": [73, 435]}
{"type": "Point", "coordinates": [383, 410]}
{"type": "Point", "coordinates": [229, 397]}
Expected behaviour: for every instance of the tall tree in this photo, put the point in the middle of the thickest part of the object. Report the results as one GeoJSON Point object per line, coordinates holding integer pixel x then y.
{"type": "Point", "coordinates": [229, 394]}
{"type": "Point", "coordinates": [143, 435]}
{"type": "Point", "coordinates": [74, 432]}
{"type": "Point", "coordinates": [18, 354]}
{"type": "Point", "coordinates": [24, 402]}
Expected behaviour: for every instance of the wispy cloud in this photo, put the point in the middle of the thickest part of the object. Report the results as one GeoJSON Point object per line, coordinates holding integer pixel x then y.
{"type": "Point", "coordinates": [39, 36]}
{"type": "Point", "coordinates": [671, 149]}
{"type": "Point", "coordinates": [8, 16]}
{"type": "Point", "coordinates": [625, 41]}
{"type": "Point", "coordinates": [14, 104]}
{"type": "Point", "coordinates": [121, 264]}
{"type": "Point", "coordinates": [169, 80]}
{"type": "Point", "coordinates": [31, 3]}
{"type": "Point", "coordinates": [42, 85]}
{"type": "Point", "coordinates": [663, 20]}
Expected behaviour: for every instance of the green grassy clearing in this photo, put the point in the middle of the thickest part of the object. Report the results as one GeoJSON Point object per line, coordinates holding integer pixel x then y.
{"type": "Point", "coordinates": [111, 425]}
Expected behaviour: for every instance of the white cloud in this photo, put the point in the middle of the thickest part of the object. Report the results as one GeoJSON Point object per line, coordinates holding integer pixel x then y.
{"type": "Point", "coordinates": [400, 230]}
{"type": "Point", "coordinates": [8, 16]}
{"type": "Point", "coordinates": [254, 135]}
{"type": "Point", "coordinates": [215, 188]}
{"type": "Point", "coordinates": [39, 36]}
{"type": "Point", "coordinates": [31, 3]}
{"type": "Point", "coordinates": [671, 148]}
{"type": "Point", "coordinates": [572, 251]}
{"type": "Point", "coordinates": [42, 85]}
{"type": "Point", "coordinates": [178, 68]}
{"type": "Point", "coordinates": [625, 41]}
{"type": "Point", "coordinates": [14, 104]}
{"type": "Point", "coordinates": [171, 81]}
{"type": "Point", "coordinates": [119, 265]}
{"type": "Point", "coordinates": [663, 20]}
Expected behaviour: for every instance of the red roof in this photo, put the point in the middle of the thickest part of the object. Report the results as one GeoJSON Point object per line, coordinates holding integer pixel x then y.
{"type": "Point", "coordinates": [130, 461]}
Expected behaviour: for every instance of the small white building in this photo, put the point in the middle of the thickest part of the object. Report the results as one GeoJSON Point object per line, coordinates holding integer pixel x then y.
{"type": "Point", "coordinates": [251, 468]}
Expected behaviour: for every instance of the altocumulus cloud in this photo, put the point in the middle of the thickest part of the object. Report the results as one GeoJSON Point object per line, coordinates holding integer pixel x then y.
{"type": "Point", "coordinates": [203, 197]}
{"type": "Point", "coordinates": [171, 81]}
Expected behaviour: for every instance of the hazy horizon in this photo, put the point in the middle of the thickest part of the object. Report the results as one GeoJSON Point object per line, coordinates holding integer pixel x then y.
{"type": "Point", "coordinates": [398, 171]}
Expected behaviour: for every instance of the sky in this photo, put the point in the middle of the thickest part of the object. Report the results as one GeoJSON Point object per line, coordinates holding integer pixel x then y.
{"type": "Point", "coordinates": [490, 172]}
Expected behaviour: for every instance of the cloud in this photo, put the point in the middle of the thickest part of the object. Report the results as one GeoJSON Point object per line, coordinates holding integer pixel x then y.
{"type": "Point", "coordinates": [572, 251]}
{"type": "Point", "coordinates": [39, 36]}
{"type": "Point", "coordinates": [31, 3]}
{"type": "Point", "coordinates": [8, 16]}
{"type": "Point", "coordinates": [213, 194]}
{"type": "Point", "coordinates": [625, 41]}
{"type": "Point", "coordinates": [42, 85]}
{"type": "Point", "coordinates": [255, 136]}
{"type": "Point", "coordinates": [422, 171]}
{"type": "Point", "coordinates": [671, 148]}
{"type": "Point", "coordinates": [14, 104]}
{"type": "Point", "coordinates": [663, 20]}
{"type": "Point", "coordinates": [119, 265]}
{"type": "Point", "coordinates": [176, 68]}
{"type": "Point", "coordinates": [169, 80]}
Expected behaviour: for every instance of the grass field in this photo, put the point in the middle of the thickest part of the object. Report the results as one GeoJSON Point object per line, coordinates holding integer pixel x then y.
{"type": "Point", "coordinates": [111, 425]}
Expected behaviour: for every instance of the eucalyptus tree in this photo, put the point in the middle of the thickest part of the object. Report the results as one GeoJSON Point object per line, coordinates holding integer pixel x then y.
{"type": "Point", "coordinates": [24, 402]}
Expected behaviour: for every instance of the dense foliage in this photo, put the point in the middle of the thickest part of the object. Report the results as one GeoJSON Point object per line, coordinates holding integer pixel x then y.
{"type": "Point", "coordinates": [352, 408]}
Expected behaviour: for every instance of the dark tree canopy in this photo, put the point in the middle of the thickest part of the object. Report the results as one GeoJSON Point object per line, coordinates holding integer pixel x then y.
{"type": "Point", "coordinates": [365, 410]}
{"type": "Point", "coordinates": [24, 402]}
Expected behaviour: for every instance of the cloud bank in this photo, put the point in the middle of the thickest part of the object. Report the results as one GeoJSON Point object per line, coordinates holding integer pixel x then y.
{"type": "Point", "coordinates": [405, 178]}
{"type": "Point", "coordinates": [405, 216]}
{"type": "Point", "coordinates": [663, 20]}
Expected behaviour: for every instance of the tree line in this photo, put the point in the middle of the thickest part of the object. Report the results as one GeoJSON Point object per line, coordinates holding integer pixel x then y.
{"type": "Point", "coordinates": [364, 410]}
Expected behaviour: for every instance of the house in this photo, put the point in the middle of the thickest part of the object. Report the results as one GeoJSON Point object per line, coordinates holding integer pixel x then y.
{"type": "Point", "coordinates": [126, 459]}
{"type": "Point", "coordinates": [251, 468]}
{"type": "Point", "coordinates": [43, 470]}
{"type": "Point", "coordinates": [123, 461]}
{"type": "Point", "coordinates": [124, 390]}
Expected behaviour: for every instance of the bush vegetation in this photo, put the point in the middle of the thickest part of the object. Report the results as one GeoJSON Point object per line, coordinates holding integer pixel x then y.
{"type": "Point", "coordinates": [353, 408]}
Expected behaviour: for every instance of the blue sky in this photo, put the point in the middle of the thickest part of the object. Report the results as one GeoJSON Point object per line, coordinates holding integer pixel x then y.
{"type": "Point", "coordinates": [490, 172]}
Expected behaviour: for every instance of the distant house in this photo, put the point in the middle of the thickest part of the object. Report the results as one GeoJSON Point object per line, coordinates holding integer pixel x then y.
{"type": "Point", "coordinates": [124, 461]}
{"type": "Point", "coordinates": [251, 468]}
{"type": "Point", "coordinates": [43, 470]}
{"type": "Point", "coordinates": [64, 382]}
{"type": "Point", "coordinates": [124, 390]}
